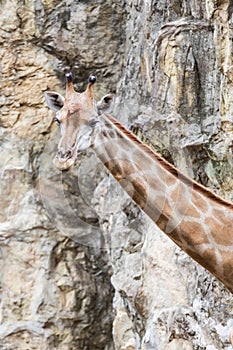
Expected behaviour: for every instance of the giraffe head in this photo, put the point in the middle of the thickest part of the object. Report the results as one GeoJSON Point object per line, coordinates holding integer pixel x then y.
{"type": "Point", "coordinates": [78, 117]}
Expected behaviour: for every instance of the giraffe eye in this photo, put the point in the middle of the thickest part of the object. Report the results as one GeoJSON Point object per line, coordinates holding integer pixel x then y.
{"type": "Point", "coordinates": [55, 119]}
{"type": "Point", "coordinates": [93, 122]}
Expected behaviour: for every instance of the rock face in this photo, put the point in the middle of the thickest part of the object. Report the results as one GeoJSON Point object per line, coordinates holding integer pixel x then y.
{"type": "Point", "coordinates": [63, 238]}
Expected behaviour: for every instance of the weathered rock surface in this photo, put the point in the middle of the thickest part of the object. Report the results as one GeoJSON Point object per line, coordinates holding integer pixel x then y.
{"type": "Point", "coordinates": [62, 237]}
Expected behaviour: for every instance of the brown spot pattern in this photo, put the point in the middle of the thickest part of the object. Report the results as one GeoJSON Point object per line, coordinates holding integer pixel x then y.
{"type": "Point", "coordinates": [221, 233]}
{"type": "Point", "coordinates": [200, 202]}
{"type": "Point", "coordinates": [207, 259]}
{"type": "Point", "coordinates": [193, 233]}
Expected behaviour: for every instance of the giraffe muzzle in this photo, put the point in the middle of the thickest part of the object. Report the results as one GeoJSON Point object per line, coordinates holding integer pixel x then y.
{"type": "Point", "coordinates": [64, 160]}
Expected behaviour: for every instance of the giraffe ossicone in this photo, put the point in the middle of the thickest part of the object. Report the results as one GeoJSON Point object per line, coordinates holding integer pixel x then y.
{"type": "Point", "coordinates": [196, 219]}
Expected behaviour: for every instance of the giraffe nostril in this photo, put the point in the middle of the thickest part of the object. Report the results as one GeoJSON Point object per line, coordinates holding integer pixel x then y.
{"type": "Point", "coordinates": [60, 154]}
{"type": "Point", "coordinates": [64, 155]}
{"type": "Point", "coordinates": [68, 154]}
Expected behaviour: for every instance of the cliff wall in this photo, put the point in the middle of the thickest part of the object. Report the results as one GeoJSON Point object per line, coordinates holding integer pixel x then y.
{"type": "Point", "coordinates": [78, 260]}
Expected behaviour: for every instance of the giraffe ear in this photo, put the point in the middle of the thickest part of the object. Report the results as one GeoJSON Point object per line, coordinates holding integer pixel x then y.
{"type": "Point", "coordinates": [105, 105]}
{"type": "Point", "coordinates": [54, 100]}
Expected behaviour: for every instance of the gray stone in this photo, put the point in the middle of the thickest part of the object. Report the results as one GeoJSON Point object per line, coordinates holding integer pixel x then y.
{"type": "Point", "coordinates": [73, 246]}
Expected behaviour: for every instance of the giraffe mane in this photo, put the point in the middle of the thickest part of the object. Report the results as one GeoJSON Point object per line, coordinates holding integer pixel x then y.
{"type": "Point", "coordinates": [169, 167]}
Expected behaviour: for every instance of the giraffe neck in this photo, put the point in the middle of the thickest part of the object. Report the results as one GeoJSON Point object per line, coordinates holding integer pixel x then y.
{"type": "Point", "coordinates": [196, 219]}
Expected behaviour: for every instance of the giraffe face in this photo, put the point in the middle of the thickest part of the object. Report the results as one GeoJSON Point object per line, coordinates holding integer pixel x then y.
{"type": "Point", "coordinates": [77, 116]}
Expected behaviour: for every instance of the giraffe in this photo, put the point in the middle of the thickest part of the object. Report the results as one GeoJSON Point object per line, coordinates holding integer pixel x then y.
{"type": "Point", "coordinates": [196, 219]}
{"type": "Point", "coordinates": [231, 336]}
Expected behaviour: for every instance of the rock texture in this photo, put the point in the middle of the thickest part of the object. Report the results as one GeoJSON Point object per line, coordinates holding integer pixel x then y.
{"type": "Point", "coordinates": [73, 246]}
